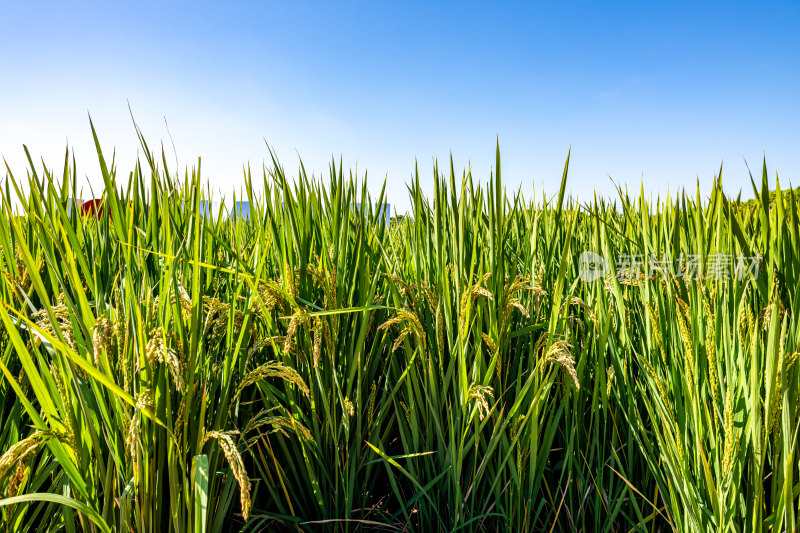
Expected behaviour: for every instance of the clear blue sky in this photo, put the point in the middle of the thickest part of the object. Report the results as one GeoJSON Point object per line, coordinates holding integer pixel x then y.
{"type": "Point", "coordinates": [659, 92]}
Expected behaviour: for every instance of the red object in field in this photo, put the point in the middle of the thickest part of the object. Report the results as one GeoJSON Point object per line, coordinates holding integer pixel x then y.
{"type": "Point", "coordinates": [92, 208]}
{"type": "Point", "coordinates": [95, 208]}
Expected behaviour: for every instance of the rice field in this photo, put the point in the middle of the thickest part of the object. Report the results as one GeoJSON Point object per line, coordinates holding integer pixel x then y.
{"type": "Point", "coordinates": [489, 362]}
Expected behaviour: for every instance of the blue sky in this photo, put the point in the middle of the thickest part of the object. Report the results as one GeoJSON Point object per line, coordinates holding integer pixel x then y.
{"type": "Point", "coordinates": [659, 93]}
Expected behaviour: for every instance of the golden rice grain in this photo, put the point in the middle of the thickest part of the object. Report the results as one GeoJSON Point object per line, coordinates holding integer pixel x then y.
{"type": "Point", "coordinates": [236, 464]}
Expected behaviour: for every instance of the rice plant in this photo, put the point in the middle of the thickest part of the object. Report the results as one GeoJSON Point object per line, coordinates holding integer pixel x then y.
{"type": "Point", "coordinates": [307, 366]}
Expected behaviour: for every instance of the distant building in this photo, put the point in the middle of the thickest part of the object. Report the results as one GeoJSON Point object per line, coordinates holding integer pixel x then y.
{"type": "Point", "coordinates": [241, 210]}
{"type": "Point", "coordinates": [384, 212]}
{"type": "Point", "coordinates": [73, 202]}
